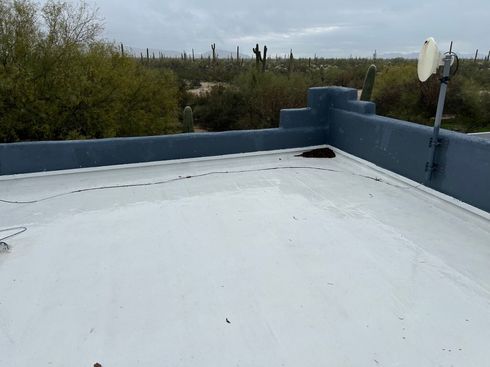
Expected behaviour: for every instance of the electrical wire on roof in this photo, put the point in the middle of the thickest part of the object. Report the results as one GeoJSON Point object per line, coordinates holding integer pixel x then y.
{"type": "Point", "coordinates": [3, 244]}
{"type": "Point", "coordinates": [180, 178]}
{"type": "Point", "coordinates": [20, 230]}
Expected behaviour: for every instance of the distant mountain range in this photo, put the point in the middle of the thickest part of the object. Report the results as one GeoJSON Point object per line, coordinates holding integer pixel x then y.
{"type": "Point", "coordinates": [396, 55]}
{"type": "Point", "coordinates": [225, 54]}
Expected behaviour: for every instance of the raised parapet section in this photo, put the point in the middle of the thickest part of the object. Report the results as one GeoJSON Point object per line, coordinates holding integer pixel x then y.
{"type": "Point", "coordinates": [320, 101]}
{"type": "Point", "coordinates": [325, 98]}
{"type": "Point", "coordinates": [346, 99]}
{"type": "Point", "coordinates": [367, 108]}
{"type": "Point", "coordinates": [294, 118]}
{"type": "Point", "coordinates": [315, 114]}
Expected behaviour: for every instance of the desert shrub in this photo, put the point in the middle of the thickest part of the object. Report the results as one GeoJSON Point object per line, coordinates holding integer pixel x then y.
{"type": "Point", "coordinates": [220, 109]}
{"type": "Point", "coordinates": [59, 81]}
{"type": "Point", "coordinates": [398, 93]}
{"type": "Point", "coordinates": [470, 105]}
{"type": "Point", "coordinates": [266, 94]}
{"type": "Point", "coordinates": [252, 101]}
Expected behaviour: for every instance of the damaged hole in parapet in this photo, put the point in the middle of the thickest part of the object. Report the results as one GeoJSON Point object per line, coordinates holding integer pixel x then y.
{"type": "Point", "coordinates": [318, 153]}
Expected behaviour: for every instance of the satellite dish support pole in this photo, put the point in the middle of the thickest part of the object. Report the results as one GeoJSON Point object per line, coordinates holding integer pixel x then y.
{"type": "Point", "coordinates": [434, 142]}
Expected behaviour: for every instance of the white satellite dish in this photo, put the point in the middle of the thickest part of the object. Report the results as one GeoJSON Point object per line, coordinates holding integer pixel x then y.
{"type": "Point", "coordinates": [429, 59]}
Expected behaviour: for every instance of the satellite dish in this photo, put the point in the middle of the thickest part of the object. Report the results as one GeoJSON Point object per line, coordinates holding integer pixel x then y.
{"type": "Point", "coordinates": [429, 59]}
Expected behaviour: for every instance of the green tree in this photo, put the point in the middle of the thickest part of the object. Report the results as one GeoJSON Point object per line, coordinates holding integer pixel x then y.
{"type": "Point", "coordinates": [58, 80]}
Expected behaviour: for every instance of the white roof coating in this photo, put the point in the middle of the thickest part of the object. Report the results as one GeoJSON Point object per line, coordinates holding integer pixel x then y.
{"type": "Point", "coordinates": [254, 260]}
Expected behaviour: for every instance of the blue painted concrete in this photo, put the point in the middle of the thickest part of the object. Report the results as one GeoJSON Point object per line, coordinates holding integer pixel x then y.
{"type": "Point", "coordinates": [58, 155]}
{"type": "Point", "coordinates": [402, 147]}
{"type": "Point", "coordinates": [333, 116]}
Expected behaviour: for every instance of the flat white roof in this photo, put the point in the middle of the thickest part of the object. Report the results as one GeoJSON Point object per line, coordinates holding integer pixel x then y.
{"type": "Point", "coordinates": [254, 260]}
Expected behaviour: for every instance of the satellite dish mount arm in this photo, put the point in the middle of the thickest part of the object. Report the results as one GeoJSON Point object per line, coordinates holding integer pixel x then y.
{"type": "Point", "coordinates": [434, 142]}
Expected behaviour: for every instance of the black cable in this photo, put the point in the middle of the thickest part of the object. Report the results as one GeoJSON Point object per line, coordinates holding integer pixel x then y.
{"type": "Point", "coordinates": [456, 59]}
{"type": "Point", "coordinates": [19, 231]}
{"type": "Point", "coordinates": [189, 177]}
{"type": "Point", "coordinates": [22, 229]}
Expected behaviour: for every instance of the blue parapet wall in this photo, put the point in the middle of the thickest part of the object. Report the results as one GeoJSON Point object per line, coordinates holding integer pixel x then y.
{"type": "Point", "coordinates": [333, 116]}
{"type": "Point", "coordinates": [402, 147]}
{"type": "Point", "coordinates": [58, 155]}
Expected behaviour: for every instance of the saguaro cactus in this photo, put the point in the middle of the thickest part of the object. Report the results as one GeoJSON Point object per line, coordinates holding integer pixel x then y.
{"type": "Point", "coordinates": [213, 48]}
{"type": "Point", "coordinates": [264, 59]}
{"type": "Point", "coordinates": [258, 57]}
{"type": "Point", "coordinates": [367, 88]}
{"type": "Point", "coordinates": [290, 65]}
{"type": "Point", "coordinates": [188, 120]}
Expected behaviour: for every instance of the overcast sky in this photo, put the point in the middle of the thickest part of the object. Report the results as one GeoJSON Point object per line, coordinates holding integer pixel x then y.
{"type": "Point", "coordinates": [327, 28]}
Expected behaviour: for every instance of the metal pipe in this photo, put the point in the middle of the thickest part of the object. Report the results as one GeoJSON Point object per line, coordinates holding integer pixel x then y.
{"type": "Point", "coordinates": [430, 166]}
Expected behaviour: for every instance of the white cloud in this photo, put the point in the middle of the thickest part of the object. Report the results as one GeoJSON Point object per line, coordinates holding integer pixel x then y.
{"type": "Point", "coordinates": [290, 34]}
